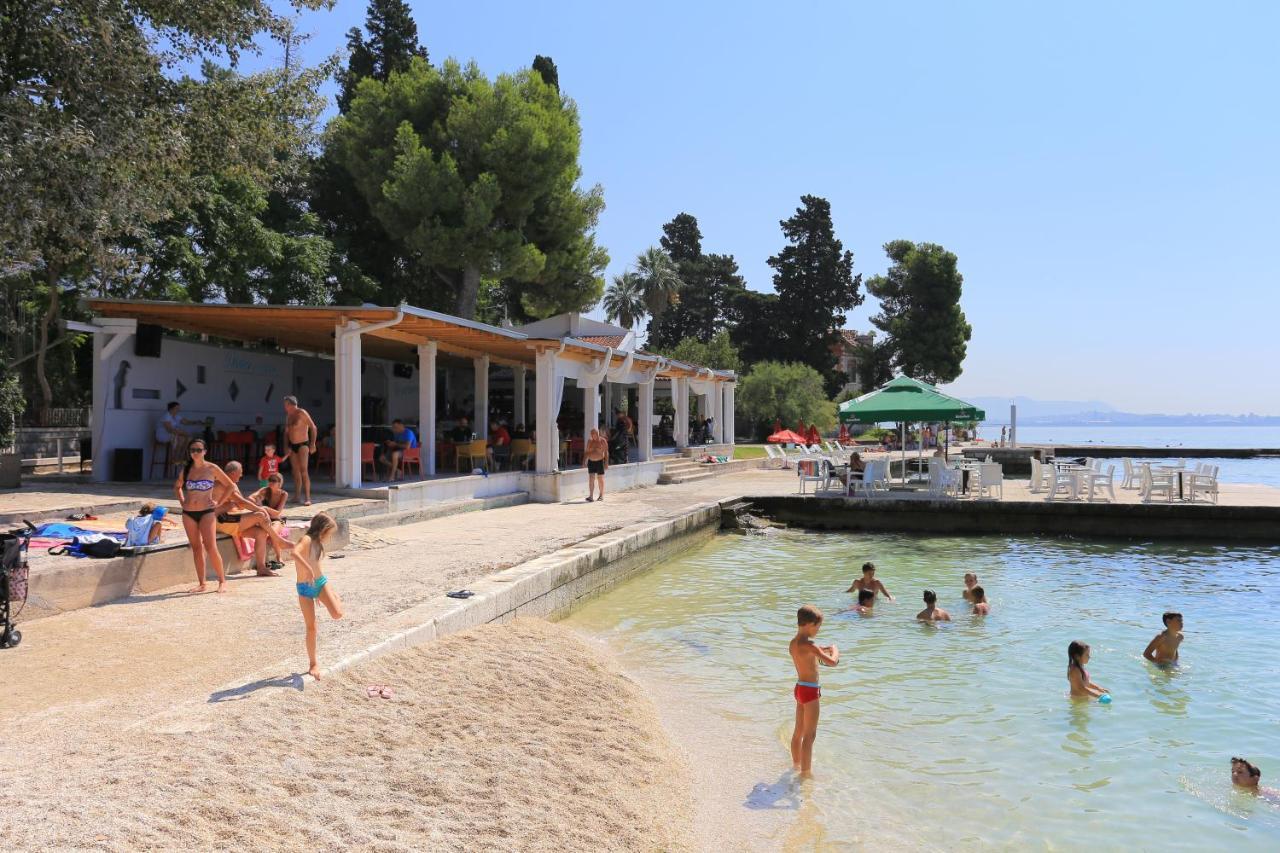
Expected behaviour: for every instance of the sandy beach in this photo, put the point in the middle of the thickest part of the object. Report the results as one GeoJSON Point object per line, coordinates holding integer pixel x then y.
{"type": "Point", "coordinates": [514, 737]}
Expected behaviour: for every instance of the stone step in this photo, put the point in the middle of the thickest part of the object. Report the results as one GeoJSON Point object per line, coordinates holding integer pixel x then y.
{"type": "Point", "coordinates": [664, 480]}
{"type": "Point", "coordinates": [440, 510]}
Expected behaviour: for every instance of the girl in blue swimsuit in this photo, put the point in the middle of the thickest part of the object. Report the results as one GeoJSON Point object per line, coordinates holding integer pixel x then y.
{"type": "Point", "coordinates": [194, 489]}
{"type": "Point", "coordinates": [308, 557]}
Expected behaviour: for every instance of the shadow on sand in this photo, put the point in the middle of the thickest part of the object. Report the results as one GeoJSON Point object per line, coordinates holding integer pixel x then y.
{"type": "Point", "coordinates": [244, 691]}
{"type": "Point", "coordinates": [783, 794]}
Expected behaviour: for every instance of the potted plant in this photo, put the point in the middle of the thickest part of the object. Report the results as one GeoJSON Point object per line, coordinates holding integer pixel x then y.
{"type": "Point", "coordinates": [11, 405]}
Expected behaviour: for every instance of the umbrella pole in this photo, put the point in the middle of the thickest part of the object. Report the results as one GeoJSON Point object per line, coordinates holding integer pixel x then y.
{"type": "Point", "coordinates": [902, 441]}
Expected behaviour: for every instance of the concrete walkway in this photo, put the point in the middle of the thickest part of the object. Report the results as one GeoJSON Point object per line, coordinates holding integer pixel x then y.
{"type": "Point", "coordinates": [91, 671]}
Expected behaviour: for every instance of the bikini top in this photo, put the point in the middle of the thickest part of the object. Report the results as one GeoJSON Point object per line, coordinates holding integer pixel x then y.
{"type": "Point", "coordinates": [199, 485]}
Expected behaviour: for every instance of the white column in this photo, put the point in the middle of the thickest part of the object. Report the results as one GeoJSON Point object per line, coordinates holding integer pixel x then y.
{"type": "Point", "coordinates": [346, 385]}
{"type": "Point", "coordinates": [590, 410]}
{"type": "Point", "coordinates": [518, 385]}
{"type": "Point", "coordinates": [680, 393]}
{"type": "Point", "coordinates": [546, 436]}
{"type": "Point", "coordinates": [608, 403]}
{"type": "Point", "coordinates": [717, 408]}
{"type": "Point", "coordinates": [644, 428]}
{"type": "Point", "coordinates": [482, 396]}
{"type": "Point", "coordinates": [102, 401]}
{"type": "Point", "coordinates": [427, 406]}
{"type": "Point", "coordinates": [729, 414]}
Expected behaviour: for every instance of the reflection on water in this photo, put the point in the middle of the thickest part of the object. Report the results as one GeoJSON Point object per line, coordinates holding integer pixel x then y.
{"type": "Point", "coordinates": [961, 734]}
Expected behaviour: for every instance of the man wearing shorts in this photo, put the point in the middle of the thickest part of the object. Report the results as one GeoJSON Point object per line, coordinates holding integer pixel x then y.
{"type": "Point", "coordinates": [597, 454]}
{"type": "Point", "coordinates": [300, 434]}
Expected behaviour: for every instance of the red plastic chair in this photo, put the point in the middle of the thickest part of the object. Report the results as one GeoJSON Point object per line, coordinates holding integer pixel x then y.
{"type": "Point", "coordinates": [366, 459]}
{"type": "Point", "coordinates": [325, 459]}
{"type": "Point", "coordinates": [411, 456]}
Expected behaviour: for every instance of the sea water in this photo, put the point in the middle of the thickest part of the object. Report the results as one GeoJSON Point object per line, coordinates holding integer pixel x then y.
{"type": "Point", "coordinates": [961, 735]}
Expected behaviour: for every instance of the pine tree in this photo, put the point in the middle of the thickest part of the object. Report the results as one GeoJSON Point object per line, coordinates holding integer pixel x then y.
{"type": "Point", "coordinates": [710, 284]}
{"type": "Point", "coordinates": [392, 42]}
{"type": "Point", "coordinates": [919, 295]}
{"type": "Point", "coordinates": [813, 275]}
{"type": "Point", "coordinates": [547, 70]}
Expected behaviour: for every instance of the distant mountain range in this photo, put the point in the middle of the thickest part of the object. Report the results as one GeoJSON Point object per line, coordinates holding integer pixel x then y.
{"type": "Point", "coordinates": [1096, 413]}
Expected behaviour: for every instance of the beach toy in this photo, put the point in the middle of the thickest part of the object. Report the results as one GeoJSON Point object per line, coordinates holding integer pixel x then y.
{"type": "Point", "coordinates": [1104, 699]}
{"type": "Point", "coordinates": [158, 513]}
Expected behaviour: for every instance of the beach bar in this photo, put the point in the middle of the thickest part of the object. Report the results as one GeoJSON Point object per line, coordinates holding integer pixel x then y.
{"type": "Point", "coordinates": [350, 365]}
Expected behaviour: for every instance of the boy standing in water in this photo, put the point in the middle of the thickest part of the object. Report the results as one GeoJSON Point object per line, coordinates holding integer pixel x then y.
{"type": "Point", "coordinates": [868, 582]}
{"type": "Point", "coordinates": [981, 607]}
{"type": "Point", "coordinates": [932, 612]}
{"type": "Point", "coordinates": [970, 581]}
{"type": "Point", "coordinates": [1163, 648]}
{"type": "Point", "coordinates": [806, 655]}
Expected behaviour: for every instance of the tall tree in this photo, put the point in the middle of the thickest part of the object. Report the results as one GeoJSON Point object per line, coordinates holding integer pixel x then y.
{"type": "Point", "coordinates": [813, 275]}
{"type": "Point", "coordinates": [391, 42]}
{"type": "Point", "coordinates": [920, 313]}
{"type": "Point", "coordinates": [710, 283]}
{"type": "Point", "coordinates": [624, 300]}
{"type": "Point", "coordinates": [547, 70]}
{"type": "Point", "coordinates": [659, 279]}
{"type": "Point", "coordinates": [472, 176]}
{"type": "Point", "coordinates": [754, 329]}
{"type": "Point", "coordinates": [90, 147]}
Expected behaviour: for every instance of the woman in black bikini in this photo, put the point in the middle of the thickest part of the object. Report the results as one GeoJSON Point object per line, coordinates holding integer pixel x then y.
{"type": "Point", "coordinates": [194, 489]}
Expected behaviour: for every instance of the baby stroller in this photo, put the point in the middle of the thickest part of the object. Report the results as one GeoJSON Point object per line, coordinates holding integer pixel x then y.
{"type": "Point", "coordinates": [13, 581]}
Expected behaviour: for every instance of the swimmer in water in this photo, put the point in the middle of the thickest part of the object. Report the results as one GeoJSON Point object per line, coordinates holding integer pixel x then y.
{"type": "Point", "coordinates": [1163, 648]}
{"type": "Point", "coordinates": [970, 581]}
{"type": "Point", "coordinates": [980, 605]}
{"type": "Point", "coordinates": [1077, 676]}
{"type": "Point", "coordinates": [866, 601]}
{"type": "Point", "coordinates": [868, 582]}
{"type": "Point", "coordinates": [806, 655]}
{"type": "Point", "coordinates": [1247, 776]}
{"type": "Point", "coordinates": [931, 612]}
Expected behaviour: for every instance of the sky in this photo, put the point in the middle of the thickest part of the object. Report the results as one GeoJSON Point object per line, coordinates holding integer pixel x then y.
{"type": "Point", "coordinates": [1107, 173]}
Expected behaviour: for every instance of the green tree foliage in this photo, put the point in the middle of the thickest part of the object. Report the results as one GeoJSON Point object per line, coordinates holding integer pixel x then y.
{"type": "Point", "coordinates": [547, 70]}
{"type": "Point", "coordinates": [813, 276]}
{"type": "Point", "coordinates": [710, 283]}
{"type": "Point", "coordinates": [754, 318]}
{"type": "Point", "coordinates": [789, 392]}
{"type": "Point", "coordinates": [659, 279]}
{"type": "Point", "coordinates": [624, 300]}
{"type": "Point", "coordinates": [718, 352]}
{"type": "Point", "coordinates": [478, 178]}
{"type": "Point", "coordinates": [875, 364]}
{"type": "Point", "coordinates": [920, 310]}
{"type": "Point", "coordinates": [391, 42]}
{"type": "Point", "coordinates": [92, 151]}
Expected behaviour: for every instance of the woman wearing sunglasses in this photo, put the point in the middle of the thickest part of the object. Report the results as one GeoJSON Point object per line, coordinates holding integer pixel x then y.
{"type": "Point", "coordinates": [194, 488]}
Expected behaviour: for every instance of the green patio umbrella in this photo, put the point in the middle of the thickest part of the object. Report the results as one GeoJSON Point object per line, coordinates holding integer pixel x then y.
{"type": "Point", "coordinates": [908, 400]}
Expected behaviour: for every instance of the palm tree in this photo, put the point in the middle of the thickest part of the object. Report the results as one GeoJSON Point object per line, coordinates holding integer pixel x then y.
{"type": "Point", "coordinates": [659, 279]}
{"type": "Point", "coordinates": [624, 301]}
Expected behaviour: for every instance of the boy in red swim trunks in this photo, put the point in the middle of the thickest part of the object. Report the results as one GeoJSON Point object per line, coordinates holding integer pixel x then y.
{"type": "Point", "coordinates": [806, 654]}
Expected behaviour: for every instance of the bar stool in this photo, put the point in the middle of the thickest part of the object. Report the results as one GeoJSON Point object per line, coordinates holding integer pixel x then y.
{"type": "Point", "coordinates": [156, 448]}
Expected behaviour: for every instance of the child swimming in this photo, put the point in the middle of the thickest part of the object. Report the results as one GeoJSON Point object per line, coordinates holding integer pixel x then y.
{"type": "Point", "coordinates": [970, 581]}
{"type": "Point", "coordinates": [866, 601]}
{"type": "Point", "coordinates": [868, 582]}
{"type": "Point", "coordinates": [806, 655]}
{"type": "Point", "coordinates": [931, 612]}
{"type": "Point", "coordinates": [979, 598]}
{"type": "Point", "coordinates": [1245, 775]}
{"type": "Point", "coordinates": [308, 557]}
{"type": "Point", "coordinates": [1077, 675]}
{"type": "Point", "coordinates": [1163, 647]}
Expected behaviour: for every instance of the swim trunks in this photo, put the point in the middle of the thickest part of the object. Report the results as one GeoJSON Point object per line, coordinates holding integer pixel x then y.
{"type": "Point", "coordinates": [806, 692]}
{"type": "Point", "coordinates": [312, 590]}
{"type": "Point", "coordinates": [595, 466]}
{"type": "Point", "coordinates": [295, 447]}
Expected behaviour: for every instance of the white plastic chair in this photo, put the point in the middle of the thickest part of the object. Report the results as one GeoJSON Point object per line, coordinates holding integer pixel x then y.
{"type": "Point", "coordinates": [990, 480]}
{"type": "Point", "coordinates": [1037, 477]}
{"type": "Point", "coordinates": [1158, 482]}
{"type": "Point", "coordinates": [1097, 481]}
{"type": "Point", "coordinates": [1057, 481]}
{"type": "Point", "coordinates": [1131, 479]}
{"type": "Point", "coordinates": [1204, 481]}
{"type": "Point", "coordinates": [812, 471]}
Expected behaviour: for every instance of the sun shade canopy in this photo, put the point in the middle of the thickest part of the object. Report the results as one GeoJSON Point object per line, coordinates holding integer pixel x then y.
{"type": "Point", "coordinates": [909, 400]}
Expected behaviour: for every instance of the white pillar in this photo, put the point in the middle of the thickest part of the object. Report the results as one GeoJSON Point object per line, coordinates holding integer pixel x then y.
{"type": "Point", "coordinates": [729, 425]}
{"type": "Point", "coordinates": [101, 403]}
{"type": "Point", "coordinates": [680, 393]}
{"type": "Point", "coordinates": [590, 410]}
{"type": "Point", "coordinates": [644, 428]}
{"type": "Point", "coordinates": [427, 406]}
{"type": "Point", "coordinates": [717, 409]}
{"type": "Point", "coordinates": [346, 385]}
{"type": "Point", "coordinates": [1013, 424]}
{"type": "Point", "coordinates": [518, 386]}
{"type": "Point", "coordinates": [482, 396]}
{"type": "Point", "coordinates": [546, 435]}
{"type": "Point", "coordinates": [608, 403]}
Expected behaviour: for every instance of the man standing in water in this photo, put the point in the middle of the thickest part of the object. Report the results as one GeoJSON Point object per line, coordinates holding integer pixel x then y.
{"type": "Point", "coordinates": [597, 454]}
{"type": "Point", "coordinates": [300, 434]}
{"type": "Point", "coordinates": [869, 582]}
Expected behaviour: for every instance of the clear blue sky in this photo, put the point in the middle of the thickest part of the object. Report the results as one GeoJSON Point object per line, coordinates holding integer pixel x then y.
{"type": "Point", "coordinates": [1107, 173]}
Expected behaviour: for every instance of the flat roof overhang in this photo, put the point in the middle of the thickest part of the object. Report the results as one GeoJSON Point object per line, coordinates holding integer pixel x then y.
{"type": "Point", "coordinates": [312, 328]}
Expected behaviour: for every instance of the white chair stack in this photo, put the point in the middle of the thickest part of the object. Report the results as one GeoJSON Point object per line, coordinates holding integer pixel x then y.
{"type": "Point", "coordinates": [1155, 483]}
{"type": "Point", "coordinates": [1037, 477]}
{"type": "Point", "coordinates": [1203, 481]}
{"type": "Point", "coordinates": [990, 479]}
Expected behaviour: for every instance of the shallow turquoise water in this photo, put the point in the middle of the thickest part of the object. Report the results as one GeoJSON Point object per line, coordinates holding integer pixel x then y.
{"type": "Point", "coordinates": [962, 735]}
